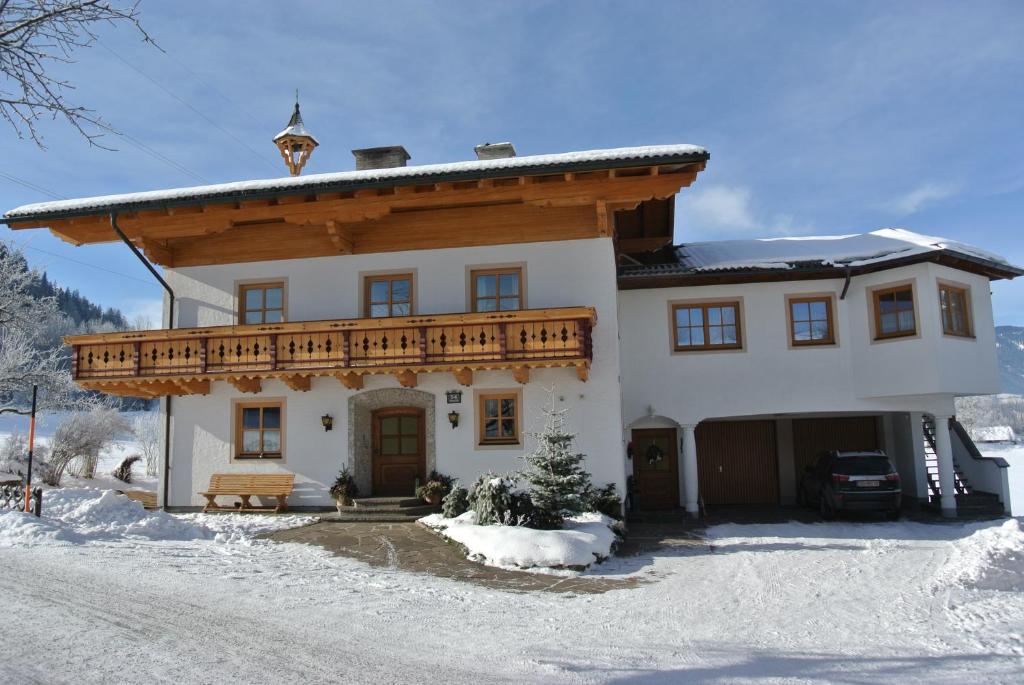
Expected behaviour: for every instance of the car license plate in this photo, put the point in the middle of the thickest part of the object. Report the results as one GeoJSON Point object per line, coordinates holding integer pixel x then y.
{"type": "Point", "coordinates": [867, 483]}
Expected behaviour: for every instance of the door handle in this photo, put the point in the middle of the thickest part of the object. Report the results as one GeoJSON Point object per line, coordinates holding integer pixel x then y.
{"type": "Point", "coordinates": [719, 469]}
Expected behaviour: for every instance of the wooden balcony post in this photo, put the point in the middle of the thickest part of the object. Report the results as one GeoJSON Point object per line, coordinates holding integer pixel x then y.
{"type": "Point", "coordinates": [74, 361]}
{"type": "Point", "coordinates": [345, 349]}
{"type": "Point", "coordinates": [273, 351]}
{"type": "Point", "coordinates": [588, 342]}
{"type": "Point", "coordinates": [422, 333]}
{"type": "Point", "coordinates": [202, 354]}
{"type": "Point", "coordinates": [502, 350]}
{"type": "Point", "coordinates": [136, 358]}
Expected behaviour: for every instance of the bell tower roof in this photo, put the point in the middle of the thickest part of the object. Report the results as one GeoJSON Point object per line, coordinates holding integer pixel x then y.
{"type": "Point", "coordinates": [296, 128]}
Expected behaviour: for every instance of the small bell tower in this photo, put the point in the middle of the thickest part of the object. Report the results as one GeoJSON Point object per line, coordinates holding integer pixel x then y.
{"type": "Point", "coordinates": [295, 142]}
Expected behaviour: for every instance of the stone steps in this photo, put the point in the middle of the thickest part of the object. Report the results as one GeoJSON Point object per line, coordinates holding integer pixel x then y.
{"type": "Point", "coordinates": [384, 510]}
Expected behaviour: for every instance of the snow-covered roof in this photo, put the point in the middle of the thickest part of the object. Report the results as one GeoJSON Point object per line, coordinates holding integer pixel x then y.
{"type": "Point", "coordinates": [296, 128]}
{"type": "Point", "coordinates": [993, 434]}
{"type": "Point", "coordinates": [653, 154]}
{"type": "Point", "coordinates": [853, 250]}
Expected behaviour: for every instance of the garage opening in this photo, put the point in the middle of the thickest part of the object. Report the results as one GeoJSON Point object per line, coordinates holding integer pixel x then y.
{"type": "Point", "coordinates": [812, 437]}
{"type": "Point", "coordinates": [737, 462]}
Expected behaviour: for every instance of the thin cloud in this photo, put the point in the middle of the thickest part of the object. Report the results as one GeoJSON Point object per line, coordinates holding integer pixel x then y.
{"type": "Point", "coordinates": [717, 212]}
{"type": "Point", "coordinates": [921, 196]}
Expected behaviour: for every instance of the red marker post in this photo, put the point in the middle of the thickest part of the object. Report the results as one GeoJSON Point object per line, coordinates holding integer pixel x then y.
{"type": "Point", "coordinates": [31, 445]}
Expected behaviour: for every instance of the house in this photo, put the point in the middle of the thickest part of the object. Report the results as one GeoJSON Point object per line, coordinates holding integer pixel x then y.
{"type": "Point", "coordinates": [399, 319]}
{"type": "Point", "coordinates": [991, 434]}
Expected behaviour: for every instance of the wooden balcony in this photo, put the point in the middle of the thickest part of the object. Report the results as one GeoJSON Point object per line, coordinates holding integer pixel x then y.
{"type": "Point", "coordinates": [186, 361]}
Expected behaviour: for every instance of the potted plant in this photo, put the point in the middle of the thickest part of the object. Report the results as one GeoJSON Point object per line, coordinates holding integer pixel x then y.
{"type": "Point", "coordinates": [344, 489]}
{"type": "Point", "coordinates": [432, 491]}
{"type": "Point", "coordinates": [437, 486]}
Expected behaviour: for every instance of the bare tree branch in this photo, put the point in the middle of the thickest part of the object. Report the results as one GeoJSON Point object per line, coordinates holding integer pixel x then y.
{"type": "Point", "coordinates": [35, 34]}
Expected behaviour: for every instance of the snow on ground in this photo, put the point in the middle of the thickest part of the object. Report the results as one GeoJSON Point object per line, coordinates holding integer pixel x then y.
{"type": "Point", "coordinates": [830, 602]}
{"type": "Point", "coordinates": [586, 539]}
{"type": "Point", "coordinates": [1014, 455]}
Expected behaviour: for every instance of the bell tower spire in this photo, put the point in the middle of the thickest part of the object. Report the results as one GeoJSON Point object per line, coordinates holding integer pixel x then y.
{"type": "Point", "coordinates": [295, 142]}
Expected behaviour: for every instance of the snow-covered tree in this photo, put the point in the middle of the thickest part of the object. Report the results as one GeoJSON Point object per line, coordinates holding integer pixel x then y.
{"type": "Point", "coordinates": [80, 438]}
{"type": "Point", "coordinates": [25, 321]}
{"type": "Point", "coordinates": [559, 485]}
{"type": "Point", "coordinates": [147, 430]}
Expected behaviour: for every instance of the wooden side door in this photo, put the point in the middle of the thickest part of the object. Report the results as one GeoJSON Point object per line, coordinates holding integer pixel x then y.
{"type": "Point", "coordinates": [655, 481]}
{"type": "Point", "coordinates": [737, 462]}
{"type": "Point", "coordinates": [399, 457]}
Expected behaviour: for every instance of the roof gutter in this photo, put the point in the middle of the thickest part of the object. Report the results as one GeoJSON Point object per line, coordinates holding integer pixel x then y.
{"type": "Point", "coordinates": [170, 324]}
{"type": "Point", "coordinates": [347, 186]}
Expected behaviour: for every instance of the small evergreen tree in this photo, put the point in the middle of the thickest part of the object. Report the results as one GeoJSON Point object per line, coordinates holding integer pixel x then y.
{"type": "Point", "coordinates": [559, 485]}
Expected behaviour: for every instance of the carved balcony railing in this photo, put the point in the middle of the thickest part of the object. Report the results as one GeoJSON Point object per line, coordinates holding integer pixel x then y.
{"type": "Point", "coordinates": [184, 361]}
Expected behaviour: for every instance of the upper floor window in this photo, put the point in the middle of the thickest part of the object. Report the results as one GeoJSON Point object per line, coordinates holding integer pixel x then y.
{"type": "Point", "coordinates": [956, 314]}
{"type": "Point", "coordinates": [810, 321]}
{"type": "Point", "coordinates": [388, 295]}
{"type": "Point", "coordinates": [712, 326]}
{"type": "Point", "coordinates": [258, 430]}
{"type": "Point", "coordinates": [261, 303]}
{"type": "Point", "coordinates": [497, 290]}
{"type": "Point", "coordinates": [894, 312]}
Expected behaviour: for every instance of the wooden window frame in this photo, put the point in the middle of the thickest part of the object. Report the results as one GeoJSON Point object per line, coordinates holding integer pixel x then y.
{"type": "Point", "coordinates": [965, 292]}
{"type": "Point", "coordinates": [369, 279]}
{"type": "Point", "coordinates": [704, 306]}
{"type": "Point", "coordinates": [497, 271]}
{"type": "Point", "coordinates": [238, 407]}
{"type": "Point", "coordinates": [829, 301]}
{"type": "Point", "coordinates": [243, 287]}
{"type": "Point", "coordinates": [876, 310]}
{"type": "Point", "coordinates": [481, 418]}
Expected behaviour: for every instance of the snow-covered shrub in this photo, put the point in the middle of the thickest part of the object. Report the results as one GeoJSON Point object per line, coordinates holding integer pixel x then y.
{"type": "Point", "coordinates": [605, 501]}
{"type": "Point", "coordinates": [455, 503]}
{"type": "Point", "coordinates": [491, 498]}
{"type": "Point", "coordinates": [123, 471]}
{"type": "Point", "coordinates": [559, 485]}
{"type": "Point", "coordinates": [82, 437]}
{"type": "Point", "coordinates": [148, 433]}
{"type": "Point", "coordinates": [14, 454]}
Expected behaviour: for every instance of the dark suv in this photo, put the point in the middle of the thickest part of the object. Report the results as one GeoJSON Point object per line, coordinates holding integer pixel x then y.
{"type": "Point", "coordinates": [851, 481]}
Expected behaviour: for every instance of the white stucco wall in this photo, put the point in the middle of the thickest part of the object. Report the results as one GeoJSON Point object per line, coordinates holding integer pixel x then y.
{"type": "Point", "coordinates": [769, 377]}
{"type": "Point", "coordinates": [556, 274]}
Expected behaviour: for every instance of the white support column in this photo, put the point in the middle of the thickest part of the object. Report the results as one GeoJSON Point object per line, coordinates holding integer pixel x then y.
{"type": "Point", "coordinates": [944, 452]}
{"type": "Point", "coordinates": [690, 469]}
{"type": "Point", "coordinates": [920, 467]}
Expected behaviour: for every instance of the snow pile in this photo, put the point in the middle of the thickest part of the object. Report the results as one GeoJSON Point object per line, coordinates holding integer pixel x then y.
{"type": "Point", "coordinates": [586, 539]}
{"type": "Point", "coordinates": [82, 515]}
{"type": "Point", "coordinates": [993, 434]}
{"type": "Point", "coordinates": [992, 558]}
{"type": "Point", "coordinates": [20, 529]}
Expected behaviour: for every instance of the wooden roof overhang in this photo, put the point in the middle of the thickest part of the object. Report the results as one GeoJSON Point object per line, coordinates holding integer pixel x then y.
{"type": "Point", "coordinates": [562, 202]}
{"type": "Point", "coordinates": [638, 278]}
{"type": "Point", "coordinates": [187, 361]}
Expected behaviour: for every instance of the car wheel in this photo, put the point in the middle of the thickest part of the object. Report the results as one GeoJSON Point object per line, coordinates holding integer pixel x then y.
{"type": "Point", "coordinates": [828, 512]}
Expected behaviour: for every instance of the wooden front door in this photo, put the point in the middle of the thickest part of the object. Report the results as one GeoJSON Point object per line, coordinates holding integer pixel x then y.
{"type": "Point", "coordinates": [399, 457]}
{"type": "Point", "coordinates": [737, 462]}
{"type": "Point", "coordinates": [655, 469]}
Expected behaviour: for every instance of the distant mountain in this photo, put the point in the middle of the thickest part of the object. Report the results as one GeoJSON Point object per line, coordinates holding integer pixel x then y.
{"type": "Point", "coordinates": [1010, 351]}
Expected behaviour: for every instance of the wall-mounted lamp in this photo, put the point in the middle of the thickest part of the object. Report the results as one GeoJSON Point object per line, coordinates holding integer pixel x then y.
{"type": "Point", "coordinates": [453, 418]}
{"type": "Point", "coordinates": [328, 421]}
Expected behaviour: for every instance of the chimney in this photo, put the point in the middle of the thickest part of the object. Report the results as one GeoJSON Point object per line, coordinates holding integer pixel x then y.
{"type": "Point", "coordinates": [380, 157]}
{"type": "Point", "coordinates": [495, 151]}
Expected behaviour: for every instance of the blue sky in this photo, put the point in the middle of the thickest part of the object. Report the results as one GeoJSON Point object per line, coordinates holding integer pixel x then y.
{"type": "Point", "coordinates": [821, 117]}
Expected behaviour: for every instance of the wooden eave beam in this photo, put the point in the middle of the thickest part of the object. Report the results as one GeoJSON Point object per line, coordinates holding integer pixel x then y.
{"type": "Point", "coordinates": [352, 381]}
{"type": "Point", "coordinates": [246, 384]}
{"type": "Point", "coordinates": [406, 378]}
{"type": "Point", "coordinates": [464, 376]}
{"type": "Point", "coordinates": [298, 383]}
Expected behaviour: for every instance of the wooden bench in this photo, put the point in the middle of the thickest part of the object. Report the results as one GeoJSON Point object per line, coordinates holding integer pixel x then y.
{"type": "Point", "coordinates": [248, 485]}
{"type": "Point", "coordinates": [147, 498]}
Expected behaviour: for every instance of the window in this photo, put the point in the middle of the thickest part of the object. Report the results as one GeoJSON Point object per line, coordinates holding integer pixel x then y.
{"type": "Point", "coordinates": [258, 430]}
{"type": "Point", "coordinates": [261, 303]}
{"type": "Point", "coordinates": [956, 315]}
{"type": "Point", "coordinates": [497, 290]}
{"type": "Point", "coordinates": [706, 326]}
{"type": "Point", "coordinates": [499, 419]}
{"type": "Point", "coordinates": [389, 295]}
{"type": "Point", "coordinates": [810, 321]}
{"type": "Point", "coordinates": [894, 312]}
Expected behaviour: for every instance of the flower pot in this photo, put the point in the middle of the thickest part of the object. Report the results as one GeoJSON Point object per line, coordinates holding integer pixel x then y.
{"type": "Point", "coordinates": [432, 500]}
{"type": "Point", "coordinates": [341, 502]}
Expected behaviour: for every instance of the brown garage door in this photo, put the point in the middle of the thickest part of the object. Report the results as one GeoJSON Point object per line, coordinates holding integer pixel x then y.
{"type": "Point", "coordinates": [737, 462]}
{"type": "Point", "coordinates": [812, 437]}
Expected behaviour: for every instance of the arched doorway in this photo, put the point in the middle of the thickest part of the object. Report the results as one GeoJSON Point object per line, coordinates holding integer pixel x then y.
{"type": "Point", "coordinates": [361, 410]}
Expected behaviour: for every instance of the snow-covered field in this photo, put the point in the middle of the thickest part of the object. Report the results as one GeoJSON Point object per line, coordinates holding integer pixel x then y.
{"type": "Point", "coordinates": [839, 602]}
